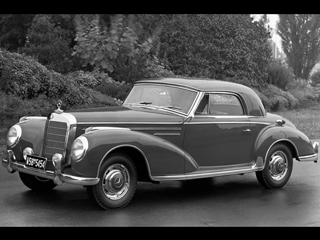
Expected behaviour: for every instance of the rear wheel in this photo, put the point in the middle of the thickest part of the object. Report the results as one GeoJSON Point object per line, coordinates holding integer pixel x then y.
{"type": "Point", "coordinates": [278, 167]}
{"type": "Point", "coordinates": [117, 185]}
{"type": "Point", "coordinates": [36, 183]}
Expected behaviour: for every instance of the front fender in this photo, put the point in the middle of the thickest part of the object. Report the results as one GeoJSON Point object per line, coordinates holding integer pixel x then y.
{"type": "Point", "coordinates": [298, 142]}
{"type": "Point", "coordinates": [161, 156]}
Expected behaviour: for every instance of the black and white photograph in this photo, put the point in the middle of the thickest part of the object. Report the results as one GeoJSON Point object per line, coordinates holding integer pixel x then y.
{"type": "Point", "coordinates": [159, 120]}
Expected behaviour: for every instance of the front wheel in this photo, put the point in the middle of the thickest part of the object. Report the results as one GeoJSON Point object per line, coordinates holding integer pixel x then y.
{"type": "Point", "coordinates": [36, 183]}
{"type": "Point", "coordinates": [118, 182]}
{"type": "Point", "coordinates": [278, 167]}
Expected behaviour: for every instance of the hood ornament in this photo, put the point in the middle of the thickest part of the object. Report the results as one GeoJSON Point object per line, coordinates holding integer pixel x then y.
{"type": "Point", "coordinates": [59, 110]}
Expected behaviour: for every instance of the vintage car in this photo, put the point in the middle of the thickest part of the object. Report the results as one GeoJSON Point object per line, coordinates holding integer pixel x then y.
{"type": "Point", "coordinates": [166, 130]}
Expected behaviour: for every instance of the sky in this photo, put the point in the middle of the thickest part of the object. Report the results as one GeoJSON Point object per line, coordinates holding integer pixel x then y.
{"type": "Point", "coordinates": [273, 19]}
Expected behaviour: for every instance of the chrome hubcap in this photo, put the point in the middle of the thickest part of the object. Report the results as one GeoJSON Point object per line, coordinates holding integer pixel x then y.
{"type": "Point", "coordinates": [278, 165]}
{"type": "Point", "coordinates": [116, 181]}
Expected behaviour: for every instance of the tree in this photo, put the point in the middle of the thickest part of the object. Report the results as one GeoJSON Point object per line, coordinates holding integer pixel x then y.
{"type": "Point", "coordinates": [50, 40]}
{"type": "Point", "coordinates": [13, 30]}
{"type": "Point", "coordinates": [116, 46]}
{"type": "Point", "coordinates": [300, 37]}
{"type": "Point", "coordinates": [215, 46]}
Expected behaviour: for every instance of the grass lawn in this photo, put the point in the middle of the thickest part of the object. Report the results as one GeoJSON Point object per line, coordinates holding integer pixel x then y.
{"type": "Point", "coordinates": [306, 120]}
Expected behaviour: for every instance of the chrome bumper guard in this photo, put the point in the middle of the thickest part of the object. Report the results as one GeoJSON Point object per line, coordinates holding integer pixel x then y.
{"type": "Point", "coordinates": [58, 177]}
{"type": "Point", "coordinates": [313, 157]}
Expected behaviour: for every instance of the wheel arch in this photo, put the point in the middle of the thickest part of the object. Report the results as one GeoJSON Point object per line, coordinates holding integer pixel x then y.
{"type": "Point", "coordinates": [293, 149]}
{"type": "Point", "coordinates": [136, 155]}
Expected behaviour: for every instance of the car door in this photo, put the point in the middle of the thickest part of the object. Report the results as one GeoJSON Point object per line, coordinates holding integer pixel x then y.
{"type": "Point", "coordinates": [220, 132]}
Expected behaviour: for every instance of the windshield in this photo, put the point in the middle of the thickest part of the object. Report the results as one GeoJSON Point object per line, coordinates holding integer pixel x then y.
{"type": "Point", "coordinates": [173, 98]}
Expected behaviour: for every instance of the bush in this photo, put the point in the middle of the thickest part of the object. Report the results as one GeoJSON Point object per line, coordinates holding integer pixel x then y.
{"type": "Point", "coordinates": [302, 91]}
{"type": "Point", "coordinates": [315, 78]}
{"type": "Point", "coordinates": [24, 77]}
{"type": "Point", "coordinates": [276, 99]}
{"type": "Point", "coordinates": [116, 90]}
{"type": "Point", "coordinates": [243, 81]}
{"type": "Point", "coordinates": [13, 107]}
{"type": "Point", "coordinates": [279, 75]}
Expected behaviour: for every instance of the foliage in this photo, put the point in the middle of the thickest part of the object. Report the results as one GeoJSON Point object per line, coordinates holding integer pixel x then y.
{"type": "Point", "coordinates": [279, 75]}
{"type": "Point", "coordinates": [50, 42]}
{"type": "Point", "coordinates": [13, 107]}
{"type": "Point", "coordinates": [21, 76]}
{"type": "Point", "coordinates": [243, 81]}
{"type": "Point", "coordinates": [302, 91]}
{"type": "Point", "coordinates": [24, 77]}
{"type": "Point", "coordinates": [275, 99]}
{"type": "Point", "coordinates": [315, 77]}
{"type": "Point", "coordinates": [115, 49]}
{"type": "Point", "coordinates": [300, 35]}
{"type": "Point", "coordinates": [13, 30]}
{"type": "Point", "coordinates": [215, 46]}
{"type": "Point", "coordinates": [116, 90]}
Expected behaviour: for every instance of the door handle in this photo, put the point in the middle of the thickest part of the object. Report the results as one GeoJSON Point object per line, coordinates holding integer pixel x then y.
{"type": "Point", "coordinates": [247, 130]}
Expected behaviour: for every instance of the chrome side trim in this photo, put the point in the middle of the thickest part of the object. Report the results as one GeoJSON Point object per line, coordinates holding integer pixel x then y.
{"type": "Point", "coordinates": [156, 128]}
{"type": "Point", "coordinates": [166, 134]}
{"type": "Point", "coordinates": [248, 122]}
{"type": "Point", "coordinates": [50, 174]}
{"type": "Point", "coordinates": [132, 123]}
{"type": "Point", "coordinates": [92, 129]}
{"type": "Point", "coordinates": [307, 158]}
{"type": "Point", "coordinates": [208, 174]}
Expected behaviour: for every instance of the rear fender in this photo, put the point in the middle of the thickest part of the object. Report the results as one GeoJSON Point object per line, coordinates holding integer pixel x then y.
{"type": "Point", "coordinates": [273, 135]}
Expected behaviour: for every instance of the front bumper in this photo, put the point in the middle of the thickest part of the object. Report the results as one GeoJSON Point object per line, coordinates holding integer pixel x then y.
{"type": "Point", "coordinates": [56, 175]}
{"type": "Point", "coordinates": [314, 157]}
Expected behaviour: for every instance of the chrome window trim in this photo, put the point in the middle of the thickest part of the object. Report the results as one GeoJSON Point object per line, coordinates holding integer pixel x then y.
{"type": "Point", "coordinates": [174, 86]}
{"type": "Point", "coordinates": [232, 93]}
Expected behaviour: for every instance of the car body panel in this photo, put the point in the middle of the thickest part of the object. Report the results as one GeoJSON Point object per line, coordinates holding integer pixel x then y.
{"type": "Point", "coordinates": [174, 144]}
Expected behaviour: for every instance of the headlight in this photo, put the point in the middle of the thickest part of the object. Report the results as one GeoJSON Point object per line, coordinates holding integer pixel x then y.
{"type": "Point", "coordinates": [79, 148]}
{"type": "Point", "coordinates": [14, 135]}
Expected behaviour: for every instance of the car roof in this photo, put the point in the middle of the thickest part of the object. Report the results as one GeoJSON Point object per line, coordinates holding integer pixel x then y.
{"type": "Point", "coordinates": [199, 84]}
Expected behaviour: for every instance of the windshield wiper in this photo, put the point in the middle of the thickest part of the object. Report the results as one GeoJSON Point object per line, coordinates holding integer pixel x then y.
{"type": "Point", "coordinates": [174, 107]}
{"type": "Point", "coordinates": [146, 103]}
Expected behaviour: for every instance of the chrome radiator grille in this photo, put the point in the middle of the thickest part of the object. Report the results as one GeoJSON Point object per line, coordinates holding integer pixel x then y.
{"type": "Point", "coordinates": [55, 139]}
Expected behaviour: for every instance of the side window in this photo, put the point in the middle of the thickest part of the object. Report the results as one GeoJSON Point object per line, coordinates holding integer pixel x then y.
{"type": "Point", "coordinates": [224, 104]}
{"type": "Point", "coordinates": [203, 106]}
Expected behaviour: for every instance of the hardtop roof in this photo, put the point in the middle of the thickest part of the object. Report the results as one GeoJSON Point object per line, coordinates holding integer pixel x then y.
{"type": "Point", "coordinates": [200, 84]}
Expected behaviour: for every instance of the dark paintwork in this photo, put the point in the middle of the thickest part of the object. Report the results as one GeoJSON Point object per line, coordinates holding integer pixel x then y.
{"type": "Point", "coordinates": [171, 144]}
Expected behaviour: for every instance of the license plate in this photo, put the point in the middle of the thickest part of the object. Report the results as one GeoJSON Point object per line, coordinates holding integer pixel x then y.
{"type": "Point", "coordinates": [36, 162]}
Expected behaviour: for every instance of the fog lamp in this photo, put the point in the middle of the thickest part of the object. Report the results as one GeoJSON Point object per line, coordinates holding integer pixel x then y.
{"type": "Point", "coordinates": [27, 151]}
{"type": "Point", "coordinates": [56, 160]}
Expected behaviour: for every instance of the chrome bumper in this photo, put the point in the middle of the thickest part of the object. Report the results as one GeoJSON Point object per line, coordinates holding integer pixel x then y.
{"type": "Point", "coordinates": [56, 175]}
{"type": "Point", "coordinates": [313, 157]}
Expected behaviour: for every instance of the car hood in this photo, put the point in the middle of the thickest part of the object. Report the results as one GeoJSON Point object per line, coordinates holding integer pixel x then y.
{"type": "Point", "coordinates": [124, 114]}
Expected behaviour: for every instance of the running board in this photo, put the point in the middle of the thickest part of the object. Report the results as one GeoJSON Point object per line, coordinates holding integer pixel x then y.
{"type": "Point", "coordinates": [201, 173]}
